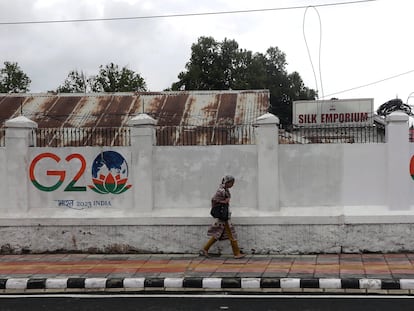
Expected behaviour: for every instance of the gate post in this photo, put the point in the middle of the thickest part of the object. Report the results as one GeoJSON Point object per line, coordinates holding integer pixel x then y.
{"type": "Point", "coordinates": [267, 142]}
{"type": "Point", "coordinates": [19, 137]}
{"type": "Point", "coordinates": [142, 143]}
{"type": "Point", "coordinates": [398, 160]}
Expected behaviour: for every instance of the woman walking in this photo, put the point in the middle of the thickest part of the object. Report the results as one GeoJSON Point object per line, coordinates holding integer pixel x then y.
{"type": "Point", "coordinates": [222, 229]}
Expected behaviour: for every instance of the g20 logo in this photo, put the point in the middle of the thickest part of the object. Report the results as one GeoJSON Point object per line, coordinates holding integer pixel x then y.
{"type": "Point", "coordinates": [412, 167]}
{"type": "Point", "coordinates": [109, 173]}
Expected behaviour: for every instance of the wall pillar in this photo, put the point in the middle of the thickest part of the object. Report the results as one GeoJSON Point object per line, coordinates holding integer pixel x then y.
{"type": "Point", "coordinates": [398, 160]}
{"type": "Point", "coordinates": [267, 142]}
{"type": "Point", "coordinates": [142, 143]}
{"type": "Point", "coordinates": [19, 137]}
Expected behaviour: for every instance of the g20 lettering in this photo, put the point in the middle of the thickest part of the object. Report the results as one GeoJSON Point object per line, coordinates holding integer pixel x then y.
{"type": "Point", "coordinates": [412, 167]}
{"type": "Point", "coordinates": [109, 173]}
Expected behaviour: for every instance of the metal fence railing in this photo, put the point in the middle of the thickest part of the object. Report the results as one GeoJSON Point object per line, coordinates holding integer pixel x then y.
{"type": "Point", "coordinates": [2, 137]}
{"type": "Point", "coordinates": [202, 135]}
{"type": "Point", "coordinates": [205, 135]}
{"type": "Point", "coordinates": [333, 134]}
{"type": "Point", "coordinates": [79, 137]}
{"type": "Point", "coordinates": [165, 136]}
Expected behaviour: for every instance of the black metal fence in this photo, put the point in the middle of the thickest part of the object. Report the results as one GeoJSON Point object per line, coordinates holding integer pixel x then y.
{"type": "Point", "coordinates": [338, 134]}
{"type": "Point", "coordinates": [203, 135]}
{"type": "Point", "coordinates": [2, 137]}
{"type": "Point", "coordinates": [165, 136]}
{"type": "Point", "coordinates": [79, 137]}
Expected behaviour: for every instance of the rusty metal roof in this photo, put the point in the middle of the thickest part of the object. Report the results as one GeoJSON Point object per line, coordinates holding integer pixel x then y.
{"type": "Point", "coordinates": [203, 117]}
{"type": "Point", "coordinates": [198, 108]}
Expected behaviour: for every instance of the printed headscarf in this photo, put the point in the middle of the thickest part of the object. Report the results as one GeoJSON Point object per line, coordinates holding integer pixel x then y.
{"type": "Point", "coordinates": [227, 178]}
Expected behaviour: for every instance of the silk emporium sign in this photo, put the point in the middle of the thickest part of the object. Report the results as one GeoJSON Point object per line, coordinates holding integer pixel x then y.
{"type": "Point", "coordinates": [349, 112]}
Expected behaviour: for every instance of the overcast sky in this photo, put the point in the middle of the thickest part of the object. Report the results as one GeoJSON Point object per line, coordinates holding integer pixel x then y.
{"type": "Point", "coordinates": [362, 43]}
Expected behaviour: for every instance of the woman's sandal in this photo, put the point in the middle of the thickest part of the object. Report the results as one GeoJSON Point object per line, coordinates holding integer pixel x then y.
{"type": "Point", "coordinates": [239, 256]}
{"type": "Point", "coordinates": [203, 253]}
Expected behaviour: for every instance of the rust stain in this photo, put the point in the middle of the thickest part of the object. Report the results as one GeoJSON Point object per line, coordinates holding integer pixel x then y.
{"type": "Point", "coordinates": [9, 106]}
{"type": "Point", "coordinates": [173, 110]}
{"type": "Point", "coordinates": [227, 109]}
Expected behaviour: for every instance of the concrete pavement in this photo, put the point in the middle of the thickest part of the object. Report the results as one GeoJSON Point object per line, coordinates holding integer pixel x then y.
{"type": "Point", "coordinates": [330, 273]}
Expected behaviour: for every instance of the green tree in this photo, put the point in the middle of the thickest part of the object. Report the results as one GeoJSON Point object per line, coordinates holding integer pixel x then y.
{"type": "Point", "coordinates": [212, 66]}
{"type": "Point", "coordinates": [284, 87]}
{"type": "Point", "coordinates": [75, 82]}
{"type": "Point", "coordinates": [13, 79]}
{"type": "Point", "coordinates": [223, 65]}
{"type": "Point", "coordinates": [113, 79]}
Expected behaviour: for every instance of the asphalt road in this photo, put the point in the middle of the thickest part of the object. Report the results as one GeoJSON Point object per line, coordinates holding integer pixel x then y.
{"type": "Point", "coordinates": [205, 303]}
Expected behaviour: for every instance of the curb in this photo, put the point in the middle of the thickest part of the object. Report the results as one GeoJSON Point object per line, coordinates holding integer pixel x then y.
{"type": "Point", "coordinates": [63, 284]}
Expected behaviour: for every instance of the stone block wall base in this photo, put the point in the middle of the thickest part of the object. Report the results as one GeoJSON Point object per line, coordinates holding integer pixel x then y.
{"type": "Point", "coordinates": [259, 239]}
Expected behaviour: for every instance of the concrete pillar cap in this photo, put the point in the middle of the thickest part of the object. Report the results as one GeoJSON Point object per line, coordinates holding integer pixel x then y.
{"type": "Point", "coordinates": [267, 118]}
{"type": "Point", "coordinates": [21, 122]}
{"type": "Point", "coordinates": [142, 119]}
{"type": "Point", "coordinates": [397, 116]}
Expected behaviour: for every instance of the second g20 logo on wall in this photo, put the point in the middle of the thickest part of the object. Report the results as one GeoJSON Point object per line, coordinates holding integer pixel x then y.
{"type": "Point", "coordinates": [109, 173]}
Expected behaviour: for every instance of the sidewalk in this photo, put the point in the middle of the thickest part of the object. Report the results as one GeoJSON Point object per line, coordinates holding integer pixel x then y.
{"type": "Point", "coordinates": [334, 273]}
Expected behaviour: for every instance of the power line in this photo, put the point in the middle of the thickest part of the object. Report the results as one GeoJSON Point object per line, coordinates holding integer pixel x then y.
{"type": "Point", "coordinates": [320, 48]}
{"type": "Point", "coordinates": [369, 84]}
{"type": "Point", "coordinates": [179, 15]}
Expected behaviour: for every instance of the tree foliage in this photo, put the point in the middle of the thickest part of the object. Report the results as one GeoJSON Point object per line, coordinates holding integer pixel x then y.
{"type": "Point", "coordinates": [13, 79]}
{"type": "Point", "coordinates": [113, 79]}
{"type": "Point", "coordinates": [223, 65]}
{"type": "Point", "coordinates": [109, 79]}
{"type": "Point", "coordinates": [75, 82]}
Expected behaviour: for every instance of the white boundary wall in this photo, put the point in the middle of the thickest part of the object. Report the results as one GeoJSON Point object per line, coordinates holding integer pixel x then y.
{"type": "Point", "coordinates": [287, 198]}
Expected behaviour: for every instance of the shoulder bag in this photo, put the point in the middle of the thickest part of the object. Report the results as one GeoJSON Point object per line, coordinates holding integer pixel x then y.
{"type": "Point", "coordinates": [220, 211]}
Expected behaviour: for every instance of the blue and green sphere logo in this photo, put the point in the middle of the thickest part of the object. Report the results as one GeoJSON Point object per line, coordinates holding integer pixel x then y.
{"type": "Point", "coordinates": [109, 173]}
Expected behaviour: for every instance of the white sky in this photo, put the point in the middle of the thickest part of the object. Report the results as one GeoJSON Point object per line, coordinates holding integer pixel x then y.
{"type": "Point", "coordinates": [361, 43]}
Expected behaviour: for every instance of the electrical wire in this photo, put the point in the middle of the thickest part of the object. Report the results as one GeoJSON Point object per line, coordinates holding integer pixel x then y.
{"type": "Point", "coordinates": [179, 14]}
{"type": "Point", "coordinates": [320, 48]}
{"type": "Point", "coordinates": [411, 95]}
{"type": "Point", "coordinates": [369, 84]}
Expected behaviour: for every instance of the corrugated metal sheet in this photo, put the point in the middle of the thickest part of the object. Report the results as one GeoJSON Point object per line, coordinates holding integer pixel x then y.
{"type": "Point", "coordinates": [112, 110]}
{"type": "Point", "coordinates": [186, 108]}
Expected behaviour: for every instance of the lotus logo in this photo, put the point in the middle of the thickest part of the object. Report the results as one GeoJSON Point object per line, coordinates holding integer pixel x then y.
{"type": "Point", "coordinates": [109, 184]}
{"type": "Point", "coordinates": [109, 173]}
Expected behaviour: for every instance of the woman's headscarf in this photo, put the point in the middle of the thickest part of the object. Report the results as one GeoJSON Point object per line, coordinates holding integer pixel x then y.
{"type": "Point", "coordinates": [227, 178]}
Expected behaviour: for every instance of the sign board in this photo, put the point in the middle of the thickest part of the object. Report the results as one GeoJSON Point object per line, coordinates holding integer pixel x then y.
{"type": "Point", "coordinates": [347, 112]}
